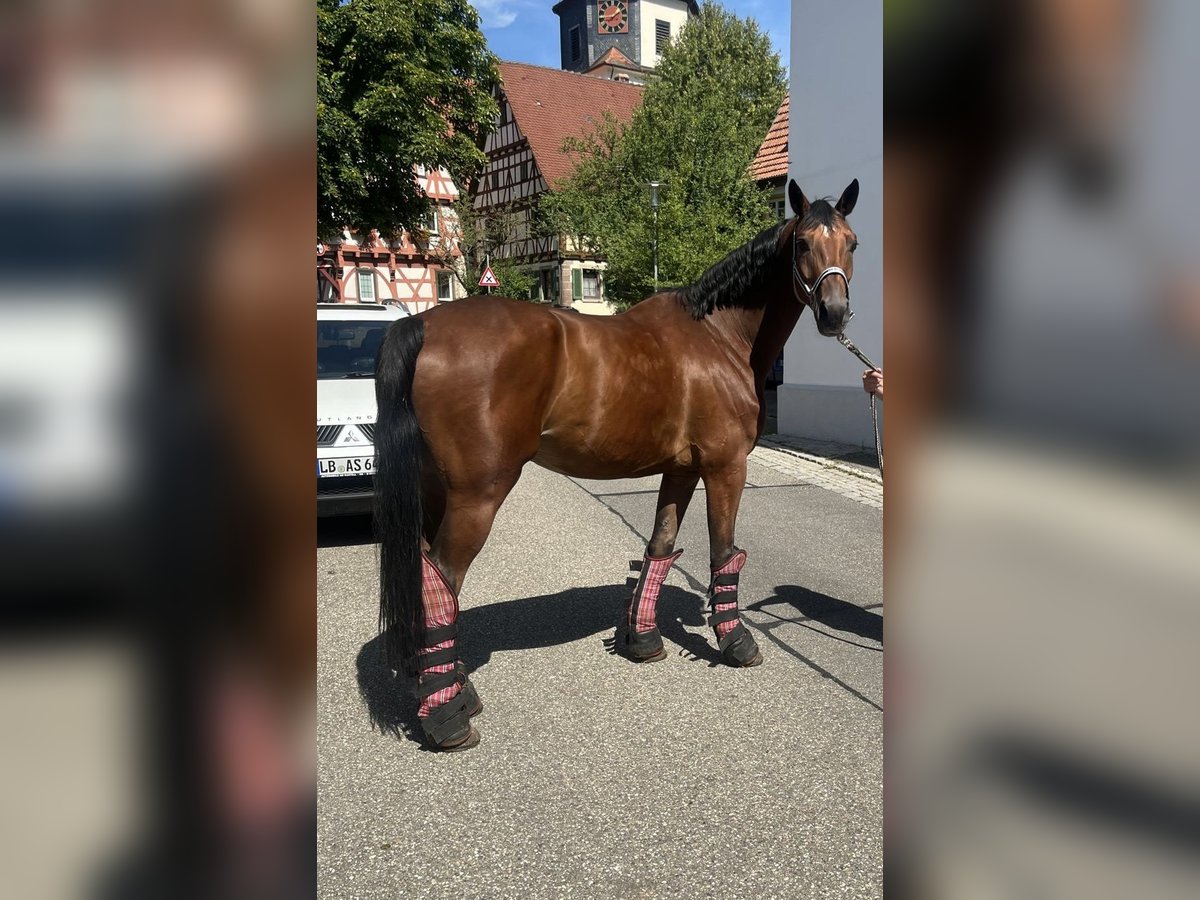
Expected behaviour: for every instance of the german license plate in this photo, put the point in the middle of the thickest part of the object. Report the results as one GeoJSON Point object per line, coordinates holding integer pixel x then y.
{"type": "Point", "coordinates": [335, 467]}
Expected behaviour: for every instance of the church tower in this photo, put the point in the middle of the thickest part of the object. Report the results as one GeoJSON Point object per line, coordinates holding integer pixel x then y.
{"type": "Point", "coordinates": [619, 39]}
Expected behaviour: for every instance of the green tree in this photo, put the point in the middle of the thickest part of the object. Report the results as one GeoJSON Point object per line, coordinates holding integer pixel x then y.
{"type": "Point", "coordinates": [697, 130]}
{"type": "Point", "coordinates": [400, 84]}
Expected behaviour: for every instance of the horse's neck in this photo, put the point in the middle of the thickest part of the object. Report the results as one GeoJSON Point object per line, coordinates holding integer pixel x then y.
{"type": "Point", "coordinates": [780, 318]}
{"type": "Point", "coordinates": [764, 329]}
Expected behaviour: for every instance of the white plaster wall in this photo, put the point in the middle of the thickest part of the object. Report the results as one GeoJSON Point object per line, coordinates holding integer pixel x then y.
{"type": "Point", "coordinates": [836, 135]}
{"type": "Point", "coordinates": [673, 11]}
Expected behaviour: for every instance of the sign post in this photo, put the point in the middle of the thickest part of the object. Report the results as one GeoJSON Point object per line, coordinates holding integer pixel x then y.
{"type": "Point", "coordinates": [488, 279]}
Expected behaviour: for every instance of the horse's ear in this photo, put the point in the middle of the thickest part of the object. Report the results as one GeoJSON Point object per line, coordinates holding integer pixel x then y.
{"type": "Point", "coordinates": [797, 199]}
{"type": "Point", "coordinates": [849, 198]}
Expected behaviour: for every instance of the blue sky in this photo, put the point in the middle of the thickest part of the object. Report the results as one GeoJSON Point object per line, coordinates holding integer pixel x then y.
{"type": "Point", "coordinates": [527, 31]}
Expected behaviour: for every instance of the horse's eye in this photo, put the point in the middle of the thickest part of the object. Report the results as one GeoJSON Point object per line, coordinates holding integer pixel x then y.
{"type": "Point", "coordinates": [801, 246]}
{"type": "Point", "coordinates": [854, 246]}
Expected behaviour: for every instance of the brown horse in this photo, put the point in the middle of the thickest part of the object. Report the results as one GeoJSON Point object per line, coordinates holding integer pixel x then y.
{"type": "Point", "coordinates": [470, 392]}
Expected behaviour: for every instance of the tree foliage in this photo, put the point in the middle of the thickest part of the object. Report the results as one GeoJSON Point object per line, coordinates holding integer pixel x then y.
{"type": "Point", "coordinates": [697, 130]}
{"type": "Point", "coordinates": [400, 84]}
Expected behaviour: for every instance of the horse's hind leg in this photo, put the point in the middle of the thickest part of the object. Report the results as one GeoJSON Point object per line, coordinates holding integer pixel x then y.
{"type": "Point", "coordinates": [724, 492]}
{"type": "Point", "coordinates": [433, 503]}
{"type": "Point", "coordinates": [642, 640]}
{"type": "Point", "coordinates": [448, 699]}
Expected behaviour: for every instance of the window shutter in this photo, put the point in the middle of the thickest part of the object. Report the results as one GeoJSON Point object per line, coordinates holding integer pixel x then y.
{"type": "Point", "coordinates": [577, 284]}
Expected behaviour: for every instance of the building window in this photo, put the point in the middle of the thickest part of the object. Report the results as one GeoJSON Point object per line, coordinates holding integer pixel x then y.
{"type": "Point", "coordinates": [662, 36]}
{"type": "Point", "coordinates": [432, 226]}
{"type": "Point", "coordinates": [366, 286]}
{"type": "Point", "coordinates": [779, 207]}
{"type": "Point", "coordinates": [445, 284]}
{"type": "Point", "coordinates": [576, 44]}
{"type": "Point", "coordinates": [591, 284]}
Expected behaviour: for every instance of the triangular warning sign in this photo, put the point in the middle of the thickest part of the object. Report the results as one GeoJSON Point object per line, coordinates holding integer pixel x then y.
{"type": "Point", "coordinates": [489, 278]}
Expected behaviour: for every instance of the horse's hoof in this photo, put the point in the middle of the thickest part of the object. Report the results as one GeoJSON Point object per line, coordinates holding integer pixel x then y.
{"type": "Point", "coordinates": [466, 743]}
{"type": "Point", "coordinates": [757, 661]}
{"type": "Point", "coordinates": [739, 649]}
{"type": "Point", "coordinates": [645, 646]}
{"type": "Point", "coordinates": [448, 727]}
{"type": "Point", "coordinates": [654, 657]}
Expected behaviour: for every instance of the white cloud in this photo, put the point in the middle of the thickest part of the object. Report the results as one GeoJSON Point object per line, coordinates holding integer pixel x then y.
{"type": "Point", "coordinates": [496, 13]}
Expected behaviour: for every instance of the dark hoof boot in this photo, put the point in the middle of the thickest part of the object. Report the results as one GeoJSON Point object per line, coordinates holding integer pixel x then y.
{"type": "Point", "coordinates": [448, 727]}
{"type": "Point", "coordinates": [471, 740]}
{"type": "Point", "coordinates": [739, 649]}
{"type": "Point", "coordinates": [644, 646]}
{"type": "Point", "coordinates": [474, 704]}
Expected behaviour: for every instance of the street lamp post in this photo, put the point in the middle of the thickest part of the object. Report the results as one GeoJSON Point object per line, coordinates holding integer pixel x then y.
{"type": "Point", "coordinates": [654, 186]}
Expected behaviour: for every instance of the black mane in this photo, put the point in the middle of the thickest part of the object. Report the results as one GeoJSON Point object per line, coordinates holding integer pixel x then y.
{"type": "Point", "coordinates": [731, 282]}
{"type": "Point", "coordinates": [819, 213]}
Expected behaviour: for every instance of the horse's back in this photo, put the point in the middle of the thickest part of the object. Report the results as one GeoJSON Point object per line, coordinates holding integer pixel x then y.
{"type": "Point", "coordinates": [622, 405]}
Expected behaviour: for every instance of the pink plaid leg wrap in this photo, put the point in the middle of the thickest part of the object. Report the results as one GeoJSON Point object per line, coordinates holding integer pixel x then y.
{"type": "Point", "coordinates": [731, 567]}
{"type": "Point", "coordinates": [643, 607]}
{"type": "Point", "coordinates": [441, 608]}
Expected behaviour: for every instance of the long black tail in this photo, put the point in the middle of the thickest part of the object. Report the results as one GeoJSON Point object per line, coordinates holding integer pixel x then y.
{"type": "Point", "coordinates": [398, 446]}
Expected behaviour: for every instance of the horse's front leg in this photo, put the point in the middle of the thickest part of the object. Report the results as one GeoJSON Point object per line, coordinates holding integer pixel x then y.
{"type": "Point", "coordinates": [642, 640]}
{"type": "Point", "coordinates": [724, 490]}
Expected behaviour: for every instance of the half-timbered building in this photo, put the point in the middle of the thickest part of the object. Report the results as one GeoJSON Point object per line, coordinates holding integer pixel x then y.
{"type": "Point", "coordinates": [539, 109]}
{"type": "Point", "coordinates": [411, 271]}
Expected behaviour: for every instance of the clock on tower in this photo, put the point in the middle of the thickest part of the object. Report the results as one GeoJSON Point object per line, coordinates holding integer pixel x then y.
{"type": "Point", "coordinates": [613, 17]}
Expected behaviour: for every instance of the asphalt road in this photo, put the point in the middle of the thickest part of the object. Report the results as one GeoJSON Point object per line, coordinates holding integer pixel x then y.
{"type": "Point", "coordinates": [598, 777]}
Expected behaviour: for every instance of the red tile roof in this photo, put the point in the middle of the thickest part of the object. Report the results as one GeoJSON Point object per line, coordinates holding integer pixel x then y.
{"type": "Point", "coordinates": [613, 56]}
{"type": "Point", "coordinates": [771, 161]}
{"type": "Point", "coordinates": [550, 105]}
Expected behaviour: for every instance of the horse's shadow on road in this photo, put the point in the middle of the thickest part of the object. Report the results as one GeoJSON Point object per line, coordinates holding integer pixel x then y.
{"type": "Point", "coordinates": [821, 609]}
{"type": "Point", "coordinates": [527, 624]}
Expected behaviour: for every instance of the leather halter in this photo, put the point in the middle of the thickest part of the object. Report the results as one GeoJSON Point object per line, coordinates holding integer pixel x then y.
{"type": "Point", "coordinates": [811, 290]}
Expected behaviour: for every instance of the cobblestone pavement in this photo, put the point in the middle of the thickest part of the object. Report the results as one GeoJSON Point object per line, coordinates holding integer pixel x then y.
{"type": "Point", "coordinates": [818, 463]}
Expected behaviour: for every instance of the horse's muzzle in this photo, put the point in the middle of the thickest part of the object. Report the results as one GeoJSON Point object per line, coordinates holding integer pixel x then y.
{"type": "Point", "coordinates": [833, 315]}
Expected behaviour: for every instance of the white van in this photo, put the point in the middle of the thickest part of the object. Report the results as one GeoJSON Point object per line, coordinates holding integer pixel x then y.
{"type": "Point", "coordinates": [348, 338]}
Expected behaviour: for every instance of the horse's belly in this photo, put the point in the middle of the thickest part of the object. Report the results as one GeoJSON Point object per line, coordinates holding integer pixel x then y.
{"type": "Point", "coordinates": [598, 462]}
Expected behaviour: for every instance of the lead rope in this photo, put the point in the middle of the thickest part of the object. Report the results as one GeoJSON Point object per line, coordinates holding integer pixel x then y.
{"type": "Point", "coordinates": [849, 345]}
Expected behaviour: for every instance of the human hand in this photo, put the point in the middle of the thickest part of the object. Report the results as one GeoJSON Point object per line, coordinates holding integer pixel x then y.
{"type": "Point", "coordinates": [873, 382]}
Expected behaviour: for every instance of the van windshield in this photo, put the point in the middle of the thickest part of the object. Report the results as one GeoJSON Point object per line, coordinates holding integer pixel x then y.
{"type": "Point", "coordinates": [348, 349]}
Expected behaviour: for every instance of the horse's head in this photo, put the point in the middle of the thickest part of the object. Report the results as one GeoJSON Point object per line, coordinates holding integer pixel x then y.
{"type": "Point", "coordinates": [823, 256]}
